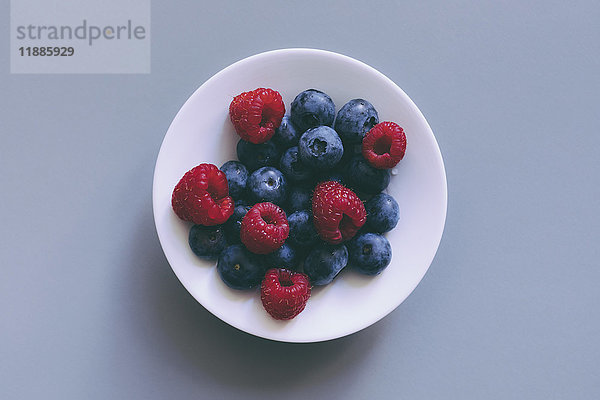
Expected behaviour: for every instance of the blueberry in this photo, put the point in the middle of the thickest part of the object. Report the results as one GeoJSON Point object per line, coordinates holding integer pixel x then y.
{"type": "Point", "coordinates": [341, 168]}
{"type": "Point", "coordinates": [369, 253]}
{"type": "Point", "coordinates": [239, 268]}
{"type": "Point", "coordinates": [382, 213]}
{"type": "Point", "coordinates": [284, 257]}
{"type": "Point", "coordinates": [237, 175]}
{"type": "Point", "coordinates": [312, 108]}
{"type": "Point", "coordinates": [294, 169]}
{"type": "Point", "coordinates": [302, 231]}
{"type": "Point", "coordinates": [350, 151]}
{"type": "Point", "coordinates": [299, 198]}
{"type": "Point", "coordinates": [243, 202]}
{"type": "Point", "coordinates": [364, 197]}
{"type": "Point", "coordinates": [254, 156]}
{"type": "Point", "coordinates": [320, 147]}
{"type": "Point", "coordinates": [286, 135]}
{"type": "Point", "coordinates": [324, 262]}
{"type": "Point", "coordinates": [332, 176]}
{"type": "Point", "coordinates": [363, 177]}
{"type": "Point", "coordinates": [207, 242]}
{"type": "Point", "coordinates": [355, 119]}
{"type": "Point", "coordinates": [234, 223]}
{"type": "Point", "coordinates": [267, 184]}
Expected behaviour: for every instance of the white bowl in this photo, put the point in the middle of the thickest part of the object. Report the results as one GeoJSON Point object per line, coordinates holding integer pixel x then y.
{"type": "Point", "coordinates": [201, 132]}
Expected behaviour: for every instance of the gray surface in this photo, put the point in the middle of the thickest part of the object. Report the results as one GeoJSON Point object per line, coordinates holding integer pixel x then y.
{"type": "Point", "coordinates": [509, 308]}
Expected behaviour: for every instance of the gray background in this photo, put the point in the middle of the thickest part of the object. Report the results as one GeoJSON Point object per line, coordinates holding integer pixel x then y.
{"type": "Point", "coordinates": [509, 308]}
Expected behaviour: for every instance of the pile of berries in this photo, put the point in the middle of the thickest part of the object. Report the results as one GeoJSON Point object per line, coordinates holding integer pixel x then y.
{"type": "Point", "coordinates": [304, 199]}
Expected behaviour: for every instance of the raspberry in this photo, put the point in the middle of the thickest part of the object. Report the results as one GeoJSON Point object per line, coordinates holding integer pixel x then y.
{"type": "Point", "coordinates": [202, 196]}
{"type": "Point", "coordinates": [384, 145]}
{"type": "Point", "coordinates": [284, 293]}
{"type": "Point", "coordinates": [255, 115]}
{"type": "Point", "coordinates": [264, 228]}
{"type": "Point", "coordinates": [338, 213]}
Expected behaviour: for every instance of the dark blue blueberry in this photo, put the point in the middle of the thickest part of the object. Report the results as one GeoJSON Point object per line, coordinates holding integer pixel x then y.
{"type": "Point", "coordinates": [364, 197]}
{"type": "Point", "coordinates": [243, 202]}
{"type": "Point", "coordinates": [382, 213]}
{"type": "Point", "coordinates": [341, 168]}
{"type": "Point", "coordinates": [239, 268]}
{"type": "Point", "coordinates": [294, 169]}
{"type": "Point", "coordinates": [283, 257]}
{"type": "Point", "coordinates": [320, 147]}
{"type": "Point", "coordinates": [299, 198]}
{"type": "Point", "coordinates": [207, 242]}
{"type": "Point", "coordinates": [369, 253]}
{"type": "Point", "coordinates": [254, 156]}
{"type": "Point", "coordinates": [237, 175]}
{"type": "Point", "coordinates": [332, 176]}
{"type": "Point", "coordinates": [302, 231]}
{"type": "Point", "coordinates": [312, 108]}
{"type": "Point", "coordinates": [286, 135]}
{"type": "Point", "coordinates": [324, 262]}
{"type": "Point", "coordinates": [350, 151]}
{"type": "Point", "coordinates": [355, 119]}
{"type": "Point", "coordinates": [267, 184]}
{"type": "Point", "coordinates": [362, 177]}
{"type": "Point", "coordinates": [234, 223]}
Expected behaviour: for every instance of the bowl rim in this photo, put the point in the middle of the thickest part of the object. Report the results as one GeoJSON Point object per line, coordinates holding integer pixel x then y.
{"type": "Point", "coordinates": [357, 63]}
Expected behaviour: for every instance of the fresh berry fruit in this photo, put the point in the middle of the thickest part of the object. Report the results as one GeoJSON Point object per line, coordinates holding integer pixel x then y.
{"type": "Point", "coordinates": [369, 253]}
{"type": "Point", "coordinates": [254, 156]}
{"type": "Point", "coordinates": [264, 228]}
{"type": "Point", "coordinates": [384, 145]}
{"type": "Point", "coordinates": [332, 176]}
{"type": "Point", "coordinates": [267, 184]}
{"type": "Point", "coordinates": [243, 202]}
{"type": "Point", "coordinates": [284, 293]}
{"type": "Point", "coordinates": [286, 135]}
{"type": "Point", "coordinates": [302, 230]}
{"type": "Point", "coordinates": [299, 198]}
{"type": "Point", "coordinates": [239, 268]}
{"type": "Point", "coordinates": [237, 175]}
{"type": "Point", "coordinates": [355, 119]}
{"type": "Point", "coordinates": [324, 262]}
{"type": "Point", "coordinates": [207, 242]}
{"type": "Point", "coordinates": [350, 151]}
{"type": "Point", "coordinates": [255, 115]}
{"type": "Point", "coordinates": [284, 257]}
{"type": "Point", "coordinates": [341, 168]}
{"type": "Point", "coordinates": [320, 147]}
{"type": "Point", "coordinates": [294, 169]}
{"type": "Point", "coordinates": [202, 196]}
{"type": "Point", "coordinates": [234, 223]}
{"type": "Point", "coordinates": [362, 177]}
{"type": "Point", "coordinates": [365, 197]}
{"type": "Point", "coordinates": [312, 108]}
{"type": "Point", "coordinates": [338, 213]}
{"type": "Point", "coordinates": [382, 213]}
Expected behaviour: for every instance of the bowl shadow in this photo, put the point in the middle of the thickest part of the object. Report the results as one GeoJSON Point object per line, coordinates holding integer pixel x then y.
{"type": "Point", "coordinates": [185, 334]}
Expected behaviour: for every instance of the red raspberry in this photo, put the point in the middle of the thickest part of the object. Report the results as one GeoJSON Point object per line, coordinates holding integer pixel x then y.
{"type": "Point", "coordinates": [202, 196]}
{"type": "Point", "coordinates": [384, 145]}
{"type": "Point", "coordinates": [264, 228]}
{"type": "Point", "coordinates": [338, 213]}
{"type": "Point", "coordinates": [256, 114]}
{"type": "Point", "coordinates": [284, 293]}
